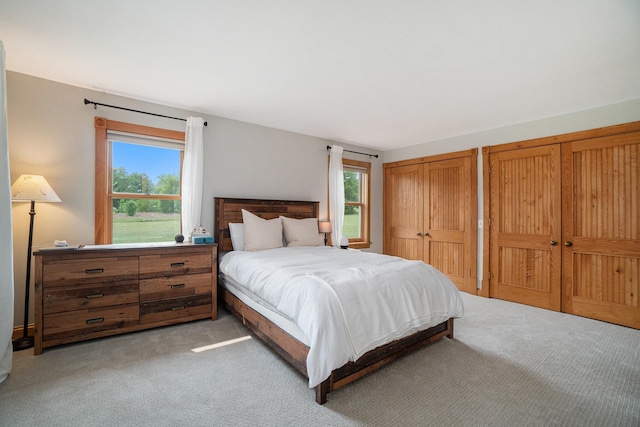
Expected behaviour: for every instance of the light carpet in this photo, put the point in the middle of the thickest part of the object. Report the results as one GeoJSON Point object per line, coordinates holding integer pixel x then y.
{"type": "Point", "coordinates": [508, 365]}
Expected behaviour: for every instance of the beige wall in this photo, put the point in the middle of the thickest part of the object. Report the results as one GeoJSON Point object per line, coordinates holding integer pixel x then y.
{"type": "Point", "coordinates": [608, 115]}
{"type": "Point", "coordinates": [51, 134]}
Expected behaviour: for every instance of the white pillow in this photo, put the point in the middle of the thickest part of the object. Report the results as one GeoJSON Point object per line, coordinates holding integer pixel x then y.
{"type": "Point", "coordinates": [301, 232]}
{"type": "Point", "coordinates": [260, 233]}
{"type": "Point", "coordinates": [237, 236]}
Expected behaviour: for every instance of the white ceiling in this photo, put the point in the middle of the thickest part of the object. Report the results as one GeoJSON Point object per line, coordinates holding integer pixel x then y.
{"type": "Point", "coordinates": [382, 74]}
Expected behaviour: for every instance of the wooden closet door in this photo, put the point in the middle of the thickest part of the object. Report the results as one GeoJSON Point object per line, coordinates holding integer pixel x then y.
{"type": "Point", "coordinates": [601, 228]}
{"type": "Point", "coordinates": [447, 232]}
{"type": "Point", "coordinates": [525, 221]}
{"type": "Point", "coordinates": [403, 212]}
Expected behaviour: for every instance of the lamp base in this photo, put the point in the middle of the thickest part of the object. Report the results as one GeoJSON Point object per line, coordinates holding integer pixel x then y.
{"type": "Point", "coordinates": [22, 343]}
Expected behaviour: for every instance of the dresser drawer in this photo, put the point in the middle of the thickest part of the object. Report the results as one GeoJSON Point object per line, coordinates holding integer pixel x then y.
{"type": "Point", "coordinates": [174, 286]}
{"type": "Point", "coordinates": [89, 270]}
{"type": "Point", "coordinates": [77, 297]}
{"type": "Point", "coordinates": [90, 320]}
{"type": "Point", "coordinates": [175, 264]}
{"type": "Point", "coordinates": [156, 311]}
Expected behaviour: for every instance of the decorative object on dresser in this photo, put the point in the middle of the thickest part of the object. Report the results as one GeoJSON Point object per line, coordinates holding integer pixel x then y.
{"type": "Point", "coordinates": [101, 290]}
{"type": "Point", "coordinates": [30, 188]}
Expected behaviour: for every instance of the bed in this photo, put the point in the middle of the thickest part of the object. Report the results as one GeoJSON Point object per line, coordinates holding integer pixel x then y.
{"type": "Point", "coordinates": [290, 332]}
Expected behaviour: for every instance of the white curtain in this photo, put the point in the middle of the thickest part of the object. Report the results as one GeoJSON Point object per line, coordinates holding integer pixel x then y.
{"type": "Point", "coordinates": [6, 236]}
{"type": "Point", "coordinates": [192, 175]}
{"type": "Point", "coordinates": [336, 194]}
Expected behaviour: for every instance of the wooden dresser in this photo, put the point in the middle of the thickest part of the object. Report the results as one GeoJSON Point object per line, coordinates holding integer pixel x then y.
{"type": "Point", "coordinates": [102, 290]}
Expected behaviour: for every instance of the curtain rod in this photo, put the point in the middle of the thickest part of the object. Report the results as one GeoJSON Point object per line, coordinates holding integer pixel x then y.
{"type": "Point", "coordinates": [95, 104]}
{"type": "Point", "coordinates": [356, 152]}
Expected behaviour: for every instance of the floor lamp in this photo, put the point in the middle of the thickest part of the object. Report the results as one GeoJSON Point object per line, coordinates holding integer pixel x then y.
{"type": "Point", "coordinates": [30, 188]}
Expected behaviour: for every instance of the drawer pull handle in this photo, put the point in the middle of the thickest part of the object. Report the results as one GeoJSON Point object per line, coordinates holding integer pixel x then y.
{"type": "Point", "coordinates": [94, 270]}
{"type": "Point", "coordinates": [177, 308]}
{"type": "Point", "coordinates": [179, 286]}
{"type": "Point", "coordinates": [98, 295]}
{"type": "Point", "coordinates": [177, 264]}
{"type": "Point", "coordinates": [96, 320]}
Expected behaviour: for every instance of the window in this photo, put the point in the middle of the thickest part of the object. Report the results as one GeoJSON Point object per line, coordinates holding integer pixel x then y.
{"type": "Point", "coordinates": [138, 172]}
{"type": "Point", "coordinates": [356, 202]}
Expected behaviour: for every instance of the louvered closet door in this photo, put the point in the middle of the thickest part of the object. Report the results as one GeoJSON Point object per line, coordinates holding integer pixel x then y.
{"type": "Point", "coordinates": [601, 229]}
{"type": "Point", "coordinates": [447, 229]}
{"type": "Point", "coordinates": [403, 216]}
{"type": "Point", "coordinates": [525, 226]}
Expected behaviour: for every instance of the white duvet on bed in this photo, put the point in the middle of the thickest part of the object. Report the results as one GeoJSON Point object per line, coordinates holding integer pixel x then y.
{"type": "Point", "coordinates": [346, 302]}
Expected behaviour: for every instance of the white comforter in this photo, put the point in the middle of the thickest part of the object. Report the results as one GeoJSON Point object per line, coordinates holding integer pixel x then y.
{"type": "Point", "coordinates": [346, 302]}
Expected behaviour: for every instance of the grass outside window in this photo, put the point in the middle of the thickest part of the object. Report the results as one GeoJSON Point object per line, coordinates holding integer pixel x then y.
{"type": "Point", "coordinates": [145, 227]}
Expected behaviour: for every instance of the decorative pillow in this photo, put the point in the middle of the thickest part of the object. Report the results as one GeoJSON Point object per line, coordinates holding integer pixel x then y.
{"type": "Point", "coordinates": [301, 232]}
{"type": "Point", "coordinates": [259, 233]}
{"type": "Point", "coordinates": [237, 236]}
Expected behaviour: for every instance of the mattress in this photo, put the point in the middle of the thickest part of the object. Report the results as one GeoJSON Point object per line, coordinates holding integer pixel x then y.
{"type": "Point", "coordinates": [257, 304]}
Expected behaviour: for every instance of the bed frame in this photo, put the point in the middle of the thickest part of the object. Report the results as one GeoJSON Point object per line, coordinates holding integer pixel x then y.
{"type": "Point", "coordinates": [293, 351]}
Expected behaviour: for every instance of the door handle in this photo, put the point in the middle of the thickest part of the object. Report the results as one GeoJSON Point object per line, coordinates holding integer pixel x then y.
{"type": "Point", "coordinates": [567, 244]}
{"type": "Point", "coordinates": [553, 243]}
{"type": "Point", "coordinates": [426, 233]}
{"type": "Point", "coordinates": [418, 234]}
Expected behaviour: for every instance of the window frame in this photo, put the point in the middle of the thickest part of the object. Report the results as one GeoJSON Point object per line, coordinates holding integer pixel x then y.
{"type": "Point", "coordinates": [365, 192]}
{"type": "Point", "coordinates": [104, 195]}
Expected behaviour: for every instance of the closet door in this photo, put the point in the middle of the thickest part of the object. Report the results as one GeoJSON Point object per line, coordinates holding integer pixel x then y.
{"type": "Point", "coordinates": [430, 214]}
{"type": "Point", "coordinates": [525, 221]}
{"type": "Point", "coordinates": [601, 228]}
{"type": "Point", "coordinates": [402, 212]}
{"type": "Point", "coordinates": [448, 224]}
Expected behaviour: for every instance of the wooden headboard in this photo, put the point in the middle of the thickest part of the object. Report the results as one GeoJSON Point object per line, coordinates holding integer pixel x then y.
{"type": "Point", "coordinates": [228, 210]}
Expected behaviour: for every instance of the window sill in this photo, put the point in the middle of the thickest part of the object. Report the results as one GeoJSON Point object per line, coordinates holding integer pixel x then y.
{"type": "Point", "coordinates": [359, 245]}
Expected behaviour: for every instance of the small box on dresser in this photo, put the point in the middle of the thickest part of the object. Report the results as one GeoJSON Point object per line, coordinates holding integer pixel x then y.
{"type": "Point", "coordinates": [104, 290]}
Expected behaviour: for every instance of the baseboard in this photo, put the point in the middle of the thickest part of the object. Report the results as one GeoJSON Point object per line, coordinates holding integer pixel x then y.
{"type": "Point", "coordinates": [18, 330]}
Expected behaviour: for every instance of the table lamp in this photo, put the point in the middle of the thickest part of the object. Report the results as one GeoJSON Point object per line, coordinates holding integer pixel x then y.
{"type": "Point", "coordinates": [325, 227]}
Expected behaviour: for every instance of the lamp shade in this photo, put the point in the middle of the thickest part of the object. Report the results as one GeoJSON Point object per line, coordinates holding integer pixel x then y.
{"type": "Point", "coordinates": [325, 227]}
{"type": "Point", "coordinates": [33, 188]}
